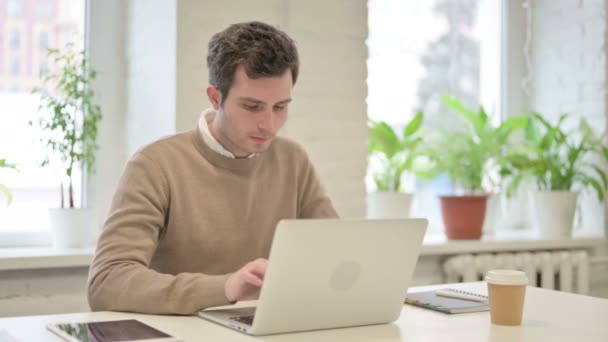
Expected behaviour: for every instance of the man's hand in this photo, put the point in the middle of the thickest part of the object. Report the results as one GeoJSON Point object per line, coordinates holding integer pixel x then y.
{"type": "Point", "coordinates": [246, 283]}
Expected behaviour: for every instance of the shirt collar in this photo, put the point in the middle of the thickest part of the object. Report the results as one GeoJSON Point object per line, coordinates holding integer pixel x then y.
{"type": "Point", "coordinates": [203, 126]}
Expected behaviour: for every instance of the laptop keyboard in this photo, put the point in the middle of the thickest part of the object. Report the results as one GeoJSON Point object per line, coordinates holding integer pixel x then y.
{"type": "Point", "coordinates": [248, 320]}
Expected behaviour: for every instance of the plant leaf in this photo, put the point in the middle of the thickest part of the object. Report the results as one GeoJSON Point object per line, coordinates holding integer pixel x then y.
{"type": "Point", "coordinates": [457, 106]}
{"type": "Point", "coordinates": [382, 138]}
{"type": "Point", "coordinates": [413, 126]}
{"type": "Point", "coordinates": [7, 193]}
{"type": "Point", "coordinates": [601, 174]}
{"type": "Point", "coordinates": [512, 124]}
{"type": "Point", "coordinates": [596, 185]}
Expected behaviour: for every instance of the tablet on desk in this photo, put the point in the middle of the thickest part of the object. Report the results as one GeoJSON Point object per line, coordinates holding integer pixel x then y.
{"type": "Point", "coordinates": [129, 330]}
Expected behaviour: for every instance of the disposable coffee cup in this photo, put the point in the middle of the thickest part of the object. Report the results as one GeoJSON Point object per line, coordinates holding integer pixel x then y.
{"type": "Point", "coordinates": [506, 291]}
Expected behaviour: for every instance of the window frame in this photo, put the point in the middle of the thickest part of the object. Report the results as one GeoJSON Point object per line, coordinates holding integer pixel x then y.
{"type": "Point", "coordinates": [99, 41]}
{"type": "Point", "coordinates": [500, 96]}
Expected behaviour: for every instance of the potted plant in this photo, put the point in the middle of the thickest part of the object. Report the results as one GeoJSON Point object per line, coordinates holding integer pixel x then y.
{"type": "Point", "coordinates": [3, 188]}
{"type": "Point", "coordinates": [560, 162]}
{"type": "Point", "coordinates": [396, 154]}
{"type": "Point", "coordinates": [68, 119]}
{"type": "Point", "coordinates": [470, 157]}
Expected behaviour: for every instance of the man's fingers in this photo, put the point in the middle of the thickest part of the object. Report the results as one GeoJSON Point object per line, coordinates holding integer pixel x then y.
{"type": "Point", "coordinates": [258, 267]}
{"type": "Point", "coordinates": [253, 279]}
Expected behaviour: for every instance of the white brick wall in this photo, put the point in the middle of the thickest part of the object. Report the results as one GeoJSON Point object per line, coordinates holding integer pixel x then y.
{"type": "Point", "coordinates": [568, 71]}
{"type": "Point", "coordinates": [151, 62]}
{"type": "Point", "coordinates": [328, 114]}
{"type": "Point", "coordinates": [570, 74]}
{"type": "Point", "coordinates": [569, 58]}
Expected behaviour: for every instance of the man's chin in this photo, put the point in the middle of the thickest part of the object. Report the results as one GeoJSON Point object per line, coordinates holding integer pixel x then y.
{"type": "Point", "coordinates": [260, 147]}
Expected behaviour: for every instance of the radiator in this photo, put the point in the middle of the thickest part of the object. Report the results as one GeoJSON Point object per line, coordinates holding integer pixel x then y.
{"type": "Point", "coordinates": [558, 270]}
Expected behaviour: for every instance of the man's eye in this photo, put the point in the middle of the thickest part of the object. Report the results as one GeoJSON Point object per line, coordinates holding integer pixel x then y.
{"type": "Point", "coordinates": [252, 108]}
{"type": "Point", "coordinates": [279, 108]}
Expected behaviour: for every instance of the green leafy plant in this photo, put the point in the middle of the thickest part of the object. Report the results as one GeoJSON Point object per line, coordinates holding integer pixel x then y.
{"type": "Point", "coordinates": [470, 154]}
{"type": "Point", "coordinates": [560, 160]}
{"type": "Point", "coordinates": [3, 188]}
{"type": "Point", "coordinates": [397, 152]}
{"type": "Point", "coordinates": [68, 117]}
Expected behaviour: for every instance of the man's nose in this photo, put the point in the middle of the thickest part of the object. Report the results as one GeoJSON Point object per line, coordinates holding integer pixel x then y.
{"type": "Point", "coordinates": [267, 121]}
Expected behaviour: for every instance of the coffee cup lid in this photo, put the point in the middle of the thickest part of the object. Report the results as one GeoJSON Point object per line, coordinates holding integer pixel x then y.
{"type": "Point", "coordinates": [507, 277]}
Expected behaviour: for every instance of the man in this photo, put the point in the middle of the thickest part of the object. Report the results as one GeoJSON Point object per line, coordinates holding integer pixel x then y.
{"type": "Point", "coordinates": [194, 214]}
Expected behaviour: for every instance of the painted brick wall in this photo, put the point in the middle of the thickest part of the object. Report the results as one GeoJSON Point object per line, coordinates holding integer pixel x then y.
{"type": "Point", "coordinates": [569, 74]}
{"type": "Point", "coordinates": [150, 54]}
{"type": "Point", "coordinates": [568, 71]}
{"type": "Point", "coordinates": [328, 114]}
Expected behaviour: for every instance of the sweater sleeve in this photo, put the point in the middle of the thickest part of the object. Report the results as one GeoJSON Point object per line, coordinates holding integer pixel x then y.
{"type": "Point", "coordinates": [120, 278]}
{"type": "Point", "coordinates": [313, 200]}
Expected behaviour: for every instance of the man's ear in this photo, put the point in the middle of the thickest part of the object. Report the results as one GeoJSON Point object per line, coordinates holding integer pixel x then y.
{"type": "Point", "coordinates": [215, 97]}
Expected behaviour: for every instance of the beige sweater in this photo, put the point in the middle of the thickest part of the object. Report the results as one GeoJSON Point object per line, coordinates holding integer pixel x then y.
{"type": "Point", "coordinates": [184, 217]}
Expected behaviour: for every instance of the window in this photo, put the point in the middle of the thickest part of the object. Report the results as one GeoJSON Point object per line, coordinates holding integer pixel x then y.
{"type": "Point", "coordinates": [15, 8]}
{"type": "Point", "coordinates": [43, 41]}
{"type": "Point", "coordinates": [43, 68]}
{"type": "Point", "coordinates": [14, 39]}
{"type": "Point", "coordinates": [43, 10]}
{"type": "Point", "coordinates": [419, 50]}
{"type": "Point", "coordinates": [15, 67]}
{"type": "Point", "coordinates": [34, 189]}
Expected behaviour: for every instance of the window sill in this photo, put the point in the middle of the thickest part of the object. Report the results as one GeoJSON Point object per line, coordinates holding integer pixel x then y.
{"type": "Point", "coordinates": [27, 258]}
{"type": "Point", "coordinates": [514, 240]}
{"type": "Point", "coordinates": [436, 244]}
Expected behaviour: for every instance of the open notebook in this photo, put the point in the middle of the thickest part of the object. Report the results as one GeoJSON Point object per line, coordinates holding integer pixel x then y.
{"type": "Point", "coordinates": [429, 300]}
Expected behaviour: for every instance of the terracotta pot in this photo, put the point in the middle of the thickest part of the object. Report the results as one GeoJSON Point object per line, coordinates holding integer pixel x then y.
{"type": "Point", "coordinates": [463, 216]}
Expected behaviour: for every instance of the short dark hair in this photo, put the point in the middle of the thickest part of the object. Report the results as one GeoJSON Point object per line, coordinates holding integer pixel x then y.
{"type": "Point", "coordinates": [263, 50]}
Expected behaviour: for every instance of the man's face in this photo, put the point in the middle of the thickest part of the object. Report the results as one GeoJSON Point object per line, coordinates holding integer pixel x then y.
{"type": "Point", "coordinates": [253, 112]}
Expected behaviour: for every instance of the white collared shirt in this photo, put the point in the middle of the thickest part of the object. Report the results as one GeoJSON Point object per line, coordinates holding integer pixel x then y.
{"type": "Point", "coordinates": [209, 139]}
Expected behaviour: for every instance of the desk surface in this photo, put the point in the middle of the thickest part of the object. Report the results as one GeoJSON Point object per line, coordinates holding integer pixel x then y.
{"type": "Point", "coordinates": [548, 316]}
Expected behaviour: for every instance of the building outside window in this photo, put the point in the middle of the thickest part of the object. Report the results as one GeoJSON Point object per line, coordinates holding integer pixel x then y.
{"type": "Point", "coordinates": [44, 10]}
{"type": "Point", "coordinates": [43, 68]}
{"type": "Point", "coordinates": [15, 67]}
{"type": "Point", "coordinates": [14, 39]}
{"type": "Point", "coordinates": [15, 8]}
{"type": "Point", "coordinates": [34, 189]}
{"type": "Point", "coordinates": [420, 50]}
{"type": "Point", "coordinates": [43, 41]}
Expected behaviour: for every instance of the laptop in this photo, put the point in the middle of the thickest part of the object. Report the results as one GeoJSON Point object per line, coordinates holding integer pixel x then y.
{"type": "Point", "coordinates": [331, 273]}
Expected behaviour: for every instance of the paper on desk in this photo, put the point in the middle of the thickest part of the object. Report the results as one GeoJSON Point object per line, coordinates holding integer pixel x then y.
{"type": "Point", "coordinates": [6, 337]}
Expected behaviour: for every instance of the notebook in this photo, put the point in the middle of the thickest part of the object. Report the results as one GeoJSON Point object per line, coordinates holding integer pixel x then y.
{"type": "Point", "coordinates": [429, 300]}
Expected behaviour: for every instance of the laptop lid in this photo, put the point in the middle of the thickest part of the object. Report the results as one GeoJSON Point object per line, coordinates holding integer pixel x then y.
{"type": "Point", "coordinates": [337, 273]}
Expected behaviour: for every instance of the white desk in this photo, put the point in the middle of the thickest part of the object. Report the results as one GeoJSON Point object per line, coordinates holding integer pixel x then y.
{"type": "Point", "coordinates": [548, 316]}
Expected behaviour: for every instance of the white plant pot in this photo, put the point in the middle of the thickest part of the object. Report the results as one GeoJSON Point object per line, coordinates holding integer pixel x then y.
{"type": "Point", "coordinates": [71, 227]}
{"type": "Point", "coordinates": [514, 210]}
{"type": "Point", "coordinates": [388, 205]}
{"type": "Point", "coordinates": [553, 213]}
{"type": "Point", "coordinates": [492, 218]}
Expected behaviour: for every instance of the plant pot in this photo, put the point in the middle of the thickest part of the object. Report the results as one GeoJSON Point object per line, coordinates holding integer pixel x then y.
{"type": "Point", "coordinates": [71, 228]}
{"type": "Point", "coordinates": [388, 205]}
{"type": "Point", "coordinates": [553, 213]}
{"type": "Point", "coordinates": [463, 216]}
{"type": "Point", "coordinates": [514, 210]}
{"type": "Point", "coordinates": [491, 221]}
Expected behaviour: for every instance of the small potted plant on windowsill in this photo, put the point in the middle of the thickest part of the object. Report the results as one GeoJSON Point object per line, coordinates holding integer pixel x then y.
{"type": "Point", "coordinates": [68, 118]}
{"type": "Point", "coordinates": [397, 155]}
{"type": "Point", "coordinates": [470, 157]}
{"type": "Point", "coordinates": [560, 162]}
{"type": "Point", "coordinates": [3, 188]}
